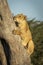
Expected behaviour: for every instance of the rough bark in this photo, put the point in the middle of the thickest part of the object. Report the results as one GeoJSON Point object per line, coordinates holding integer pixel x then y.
{"type": "Point", "coordinates": [18, 53]}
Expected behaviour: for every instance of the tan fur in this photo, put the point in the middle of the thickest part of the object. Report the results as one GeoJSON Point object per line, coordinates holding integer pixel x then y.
{"type": "Point", "coordinates": [24, 31]}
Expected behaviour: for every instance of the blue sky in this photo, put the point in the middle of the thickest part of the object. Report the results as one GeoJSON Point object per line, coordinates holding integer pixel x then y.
{"type": "Point", "coordinates": [31, 8]}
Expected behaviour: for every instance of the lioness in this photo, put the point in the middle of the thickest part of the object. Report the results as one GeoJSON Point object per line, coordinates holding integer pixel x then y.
{"type": "Point", "coordinates": [22, 29]}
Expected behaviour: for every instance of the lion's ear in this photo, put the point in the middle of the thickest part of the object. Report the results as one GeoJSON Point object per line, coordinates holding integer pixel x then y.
{"type": "Point", "coordinates": [25, 17]}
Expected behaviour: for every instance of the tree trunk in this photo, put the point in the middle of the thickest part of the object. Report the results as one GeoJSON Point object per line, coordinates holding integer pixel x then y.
{"type": "Point", "coordinates": [18, 55]}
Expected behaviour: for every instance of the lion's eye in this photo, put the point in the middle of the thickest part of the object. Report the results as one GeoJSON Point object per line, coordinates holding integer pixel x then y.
{"type": "Point", "coordinates": [17, 24]}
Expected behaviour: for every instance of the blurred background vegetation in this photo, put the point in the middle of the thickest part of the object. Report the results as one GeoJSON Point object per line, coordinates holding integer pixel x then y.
{"type": "Point", "coordinates": [36, 28]}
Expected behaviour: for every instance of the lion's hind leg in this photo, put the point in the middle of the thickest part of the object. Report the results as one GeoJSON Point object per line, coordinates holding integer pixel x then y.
{"type": "Point", "coordinates": [30, 48]}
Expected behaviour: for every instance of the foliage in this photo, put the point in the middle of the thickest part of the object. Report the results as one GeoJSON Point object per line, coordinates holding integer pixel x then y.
{"type": "Point", "coordinates": [37, 33]}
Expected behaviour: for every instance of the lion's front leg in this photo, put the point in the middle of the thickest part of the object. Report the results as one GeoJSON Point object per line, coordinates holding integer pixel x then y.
{"type": "Point", "coordinates": [16, 32]}
{"type": "Point", "coordinates": [24, 43]}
